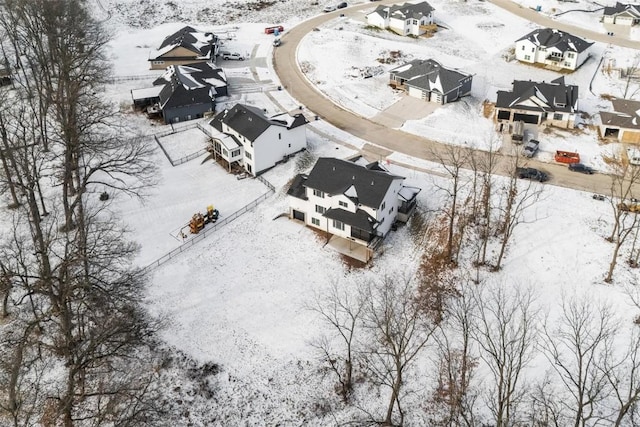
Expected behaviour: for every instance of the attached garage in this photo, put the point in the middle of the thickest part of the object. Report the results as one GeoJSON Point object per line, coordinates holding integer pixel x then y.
{"type": "Point", "coordinates": [298, 215]}
{"type": "Point", "coordinates": [533, 119]}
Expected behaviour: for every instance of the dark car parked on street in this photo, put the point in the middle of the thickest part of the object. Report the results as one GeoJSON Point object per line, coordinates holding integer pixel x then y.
{"type": "Point", "coordinates": [533, 174]}
{"type": "Point", "coordinates": [579, 167]}
{"type": "Point", "coordinates": [342, 5]}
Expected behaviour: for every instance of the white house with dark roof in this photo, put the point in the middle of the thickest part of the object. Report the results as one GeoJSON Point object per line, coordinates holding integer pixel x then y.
{"type": "Point", "coordinates": [245, 135]}
{"type": "Point", "coordinates": [430, 81]}
{"type": "Point", "coordinates": [356, 204]}
{"type": "Point", "coordinates": [621, 14]}
{"type": "Point", "coordinates": [184, 92]}
{"type": "Point", "coordinates": [623, 123]}
{"type": "Point", "coordinates": [553, 103]}
{"type": "Point", "coordinates": [185, 46]}
{"type": "Point", "coordinates": [404, 19]}
{"type": "Point", "coordinates": [553, 48]}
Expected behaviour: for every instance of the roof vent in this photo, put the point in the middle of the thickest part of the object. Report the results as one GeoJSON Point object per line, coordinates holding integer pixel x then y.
{"type": "Point", "coordinates": [372, 183]}
{"type": "Point", "coordinates": [353, 177]}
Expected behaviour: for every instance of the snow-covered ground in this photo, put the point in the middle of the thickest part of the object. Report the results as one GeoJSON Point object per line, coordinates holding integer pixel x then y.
{"type": "Point", "coordinates": [239, 297]}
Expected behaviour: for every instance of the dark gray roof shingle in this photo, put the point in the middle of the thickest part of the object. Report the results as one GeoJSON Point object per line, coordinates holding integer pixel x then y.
{"type": "Point", "coordinates": [554, 96]}
{"type": "Point", "coordinates": [335, 176]}
{"type": "Point", "coordinates": [549, 37]}
{"type": "Point", "coordinates": [632, 9]}
{"type": "Point", "coordinates": [251, 122]}
{"type": "Point", "coordinates": [358, 219]}
{"type": "Point", "coordinates": [191, 84]}
{"type": "Point", "coordinates": [430, 75]}
{"type": "Point", "coordinates": [185, 37]}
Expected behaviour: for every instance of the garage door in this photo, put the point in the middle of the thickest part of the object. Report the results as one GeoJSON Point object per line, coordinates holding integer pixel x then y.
{"type": "Point", "coordinates": [298, 215]}
{"type": "Point", "coordinates": [527, 118]}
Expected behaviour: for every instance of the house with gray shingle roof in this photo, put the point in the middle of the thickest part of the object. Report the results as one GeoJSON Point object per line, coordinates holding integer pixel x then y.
{"type": "Point", "coordinates": [621, 14]}
{"type": "Point", "coordinates": [554, 48]}
{"type": "Point", "coordinates": [355, 203]}
{"type": "Point", "coordinates": [404, 19]}
{"type": "Point", "coordinates": [553, 103]}
{"type": "Point", "coordinates": [183, 92]}
{"type": "Point", "coordinates": [429, 80]}
{"type": "Point", "coordinates": [185, 46]}
{"type": "Point", "coordinates": [623, 123]}
{"type": "Point", "coordinates": [245, 135]}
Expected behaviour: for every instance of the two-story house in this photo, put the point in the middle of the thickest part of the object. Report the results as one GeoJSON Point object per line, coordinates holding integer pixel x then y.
{"type": "Point", "coordinates": [185, 46]}
{"type": "Point", "coordinates": [245, 135]}
{"type": "Point", "coordinates": [356, 204]}
{"type": "Point", "coordinates": [404, 19]}
{"type": "Point", "coordinates": [553, 48]}
{"type": "Point", "coordinates": [553, 103]}
{"type": "Point", "coordinates": [430, 81]}
{"type": "Point", "coordinates": [183, 92]}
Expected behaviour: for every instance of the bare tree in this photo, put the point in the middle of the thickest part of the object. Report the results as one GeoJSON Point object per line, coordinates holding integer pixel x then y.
{"type": "Point", "coordinates": [577, 345]}
{"type": "Point", "coordinates": [623, 374]}
{"type": "Point", "coordinates": [506, 331]}
{"type": "Point", "coordinates": [399, 331]}
{"type": "Point", "coordinates": [629, 74]}
{"type": "Point", "coordinates": [454, 399]}
{"type": "Point", "coordinates": [519, 197]}
{"type": "Point", "coordinates": [453, 160]}
{"type": "Point", "coordinates": [546, 409]}
{"type": "Point", "coordinates": [341, 308]}
{"type": "Point", "coordinates": [623, 181]}
{"type": "Point", "coordinates": [71, 272]}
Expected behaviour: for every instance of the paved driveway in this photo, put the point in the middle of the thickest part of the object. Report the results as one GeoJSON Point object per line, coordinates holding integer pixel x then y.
{"type": "Point", "coordinates": [406, 108]}
{"type": "Point", "coordinates": [382, 137]}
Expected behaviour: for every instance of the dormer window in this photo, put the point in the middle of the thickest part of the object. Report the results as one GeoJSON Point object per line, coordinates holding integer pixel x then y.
{"type": "Point", "coordinates": [343, 204]}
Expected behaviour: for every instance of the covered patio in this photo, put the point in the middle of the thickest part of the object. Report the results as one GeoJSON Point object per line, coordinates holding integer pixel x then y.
{"type": "Point", "coordinates": [350, 248]}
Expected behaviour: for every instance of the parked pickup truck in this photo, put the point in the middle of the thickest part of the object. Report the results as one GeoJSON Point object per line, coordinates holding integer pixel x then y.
{"type": "Point", "coordinates": [567, 157]}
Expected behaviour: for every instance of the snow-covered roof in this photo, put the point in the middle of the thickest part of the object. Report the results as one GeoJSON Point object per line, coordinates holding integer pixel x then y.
{"type": "Point", "coordinates": [624, 114]}
{"type": "Point", "coordinates": [145, 93]}
{"type": "Point", "coordinates": [550, 37]}
{"type": "Point", "coordinates": [555, 96]}
{"type": "Point", "coordinates": [201, 44]}
{"type": "Point", "coordinates": [429, 75]}
{"type": "Point", "coordinates": [632, 10]}
{"type": "Point", "coordinates": [190, 84]}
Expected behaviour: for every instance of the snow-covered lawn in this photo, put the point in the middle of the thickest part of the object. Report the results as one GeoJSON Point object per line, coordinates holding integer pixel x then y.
{"type": "Point", "coordinates": [239, 297]}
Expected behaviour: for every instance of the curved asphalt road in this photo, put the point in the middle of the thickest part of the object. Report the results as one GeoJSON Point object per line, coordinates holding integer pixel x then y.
{"type": "Point", "coordinates": [387, 140]}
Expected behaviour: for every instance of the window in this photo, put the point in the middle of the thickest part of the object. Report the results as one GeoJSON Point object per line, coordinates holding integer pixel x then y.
{"type": "Point", "coordinates": [343, 204]}
{"type": "Point", "coordinates": [570, 55]}
{"type": "Point", "coordinates": [522, 47]}
{"type": "Point", "coordinates": [338, 224]}
{"type": "Point", "coordinates": [391, 210]}
{"type": "Point", "coordinates": [315, 221]}
{"type": "Point", "coordinates": [235, 153]}
{"type": "Point", "coordinates": [557, 116]}
{"type": "Point", "coordinates": [383, 205]}
{"type": "Point", "coordinates": [527, 58]}
{"type": "Point", "coordinates": [318, 193]}
{"type": "Point", "coordinates": [279, 136]}
{"type": "Point", "coordinates": [248, 155]}
{"type": "Point", "coordinates": [158, 62]}
{"type": "Point", "coordinates": [320, 209]}
{"type": "Point", "coordinates": [567, 64]}
{"type": "Point", "coordinates": [533, 49]}
{"type": "Point", "coordinates": [225, 152]}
